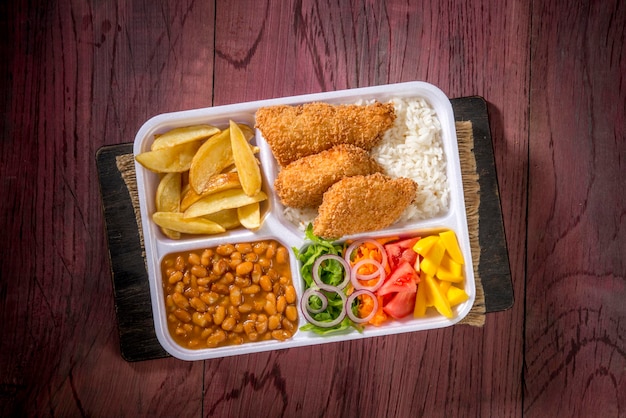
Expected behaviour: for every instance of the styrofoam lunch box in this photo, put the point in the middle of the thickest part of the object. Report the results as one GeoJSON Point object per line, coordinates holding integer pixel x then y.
{"type": "Point", "coordinates": [275, 226]}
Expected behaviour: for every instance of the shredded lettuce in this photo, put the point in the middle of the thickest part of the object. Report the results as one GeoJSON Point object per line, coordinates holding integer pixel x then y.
{"type": "Point", "coordinates": [331, 272]}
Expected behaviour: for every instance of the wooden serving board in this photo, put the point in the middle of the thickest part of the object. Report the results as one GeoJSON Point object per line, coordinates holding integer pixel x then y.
{"type": "Point", "coordinates": [131, 289]}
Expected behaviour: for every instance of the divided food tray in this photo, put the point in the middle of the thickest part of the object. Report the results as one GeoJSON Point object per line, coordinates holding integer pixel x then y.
{"type": "Point", "coordinates": [276, 226]}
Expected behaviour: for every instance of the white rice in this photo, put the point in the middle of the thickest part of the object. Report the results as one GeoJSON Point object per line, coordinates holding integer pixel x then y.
{"type": "Point", "coordinates": [411, 148]}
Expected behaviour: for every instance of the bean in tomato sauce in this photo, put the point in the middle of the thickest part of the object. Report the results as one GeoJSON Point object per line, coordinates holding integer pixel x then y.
{"type": "Point", "coordinates": [230, 294]}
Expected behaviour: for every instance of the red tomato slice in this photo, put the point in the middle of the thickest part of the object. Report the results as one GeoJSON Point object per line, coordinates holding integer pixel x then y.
{"type": "Point", "coordinates": [402, 279]}
{"type": "Point", "coordinates": [401, 305]}
{"type": "Point", "coordinates": [401, 250]}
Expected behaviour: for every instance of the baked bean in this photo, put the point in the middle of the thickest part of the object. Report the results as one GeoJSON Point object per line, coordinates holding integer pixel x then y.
{"type": "Point", "coordinates": [180, 301]}
{"type": "Point", "coordinates": [216, 338]}
{"type": "Point", "coordinates": [261, 324]}
{"type": "Point", "coordinates": [199, 319]}
{"type": "Point", "coordinates": [259, 247]}
{"type": "Point", "coordinates": [230, 294]}
{"type": "Point", "coordinates": [179, 264]}
{"type": "Point", "coordinates": [199, 271]}
{"type": "Point", "coordinates": [225, 249]}
{"type": "Point", "coordinates": [183, 315]}
{"type": "Point", "coordinates": [209, 297]}
{"type": "Point", "coordinates": [235, 295]}
{"type": "Point", "coordinates": [244, 268]}
{"type": "Point", "coordinates": [245, 308]}
{"type": "Point", "coordinates": [244, 248]}
{"type": "Point", "coordinates": [205, 259]}
{"type": "Point", "coordinates": [281, 334]}
{"type": "Point", "coordinates": [220, 267]}
{"type": "Point", "coordinates": [291, 313]}
{"type": "Point", "coordinates": [273, 322]}
{"type": "Point", "coordinates": [251, 290]}
{"type": "Point", "coordinates": [266, 283]}
{"type": "Point", "coordinates": [282, 256]}
{"type": "Point", "coordinates": [193, 259]}
{"type": "Point", "coordinates": [290, 294]}
{"type": "Point", "coordinates": [281, 304]}
{"type": "Point", "coordinates": [288, 325]}
{"type": "Point", "coordinates": [219, 315]}
{"type": "Point", "coordinates": [198, 304]}
{"type": "Point", "coordinates": [271, 250]}
{"type": "Point", "coordinates": [229, 323]}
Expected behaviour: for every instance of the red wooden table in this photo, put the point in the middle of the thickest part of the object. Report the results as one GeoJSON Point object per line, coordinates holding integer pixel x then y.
{"type": "Point", "coordinates": [79, 75]}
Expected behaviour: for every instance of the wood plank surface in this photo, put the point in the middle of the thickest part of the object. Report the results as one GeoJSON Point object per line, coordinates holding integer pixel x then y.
{"type": "Point", "coordinates": [81, 74]}
{"type": "Point", "coordinates": [575, 318]}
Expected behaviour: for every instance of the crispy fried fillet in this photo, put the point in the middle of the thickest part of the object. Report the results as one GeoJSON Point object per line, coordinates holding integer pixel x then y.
{"type": "Point", "coordinates": [302, 183]}
{"type": "Point", "coordinates": [293, 132]}
{"type": "Point", "coordinates": [362, 203]}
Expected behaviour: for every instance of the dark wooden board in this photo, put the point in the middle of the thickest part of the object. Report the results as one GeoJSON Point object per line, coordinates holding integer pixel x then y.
{"type": "Point", "coordinates": [130, 280]}
{"type": "Point", "coordinates": [494, 269]}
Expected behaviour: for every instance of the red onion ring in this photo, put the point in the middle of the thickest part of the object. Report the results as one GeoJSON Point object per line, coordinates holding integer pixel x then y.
{"type": "Point", "coordinates": [355, 277]}
{"type": "Point", "coordinates": [358, 242]}
{"type": "Point", "coordinates": [307, 312]}
{"type": "Point", "coordinates": [318, 280]}
{"type": "Point", "coordinates": [353, 296]}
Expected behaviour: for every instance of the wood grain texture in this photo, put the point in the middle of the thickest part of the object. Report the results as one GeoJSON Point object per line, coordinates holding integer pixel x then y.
{"type": "Point", "coordinates": [575, 319]}
{"type": "Point", "coordinates": [80, 75]}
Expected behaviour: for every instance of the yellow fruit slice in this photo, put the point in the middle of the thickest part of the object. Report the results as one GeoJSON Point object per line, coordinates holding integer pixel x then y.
{"type": "Point", "coordinates": [452, 245]}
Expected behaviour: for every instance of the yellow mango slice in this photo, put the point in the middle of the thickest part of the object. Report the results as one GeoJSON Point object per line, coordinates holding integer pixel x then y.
{"type": "Point", "coordinates": [432, 259]}
{"type": "Point", "coordinates": [450, 270]}
{"type": "Point", "coordinates": [444, 286]}
{"type": "Point", "coordinates": [420, 301]}
{"type": "Point", "coordinates": [456, 295]}
{"type": "Point", "coordinates": [448, 238]}
{"type": "Point", "coordinates": [439, 299]}
{"type": "Point", "coordinates": [423, 246]}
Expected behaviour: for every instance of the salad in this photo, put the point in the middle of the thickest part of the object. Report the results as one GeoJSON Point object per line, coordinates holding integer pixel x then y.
{"type": "Point", "coordinates": [371, 281]}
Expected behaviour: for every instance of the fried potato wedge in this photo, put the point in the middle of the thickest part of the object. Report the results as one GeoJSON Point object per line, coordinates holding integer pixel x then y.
{"type": "Point", "coordinates": [217, 183]}
{"type": "Point", "coordinates": [178, 136]}
{"type": "Point", "coordinates": [227, 199]}
{"type": "Point", "coordinates": [176, 222]}
{"type": "Point", "coordinates": [250, 215]}
{"type": "Point", "coordinates": [227, 218]}
{"type": "Point", "coordinates": [245, 161]}
{"type": "Point", "coordinates": [168, 198]}
{"type": "Point", "coordinates": [174, 159]}
{"type": "Point", "coordinates": [212, 157]}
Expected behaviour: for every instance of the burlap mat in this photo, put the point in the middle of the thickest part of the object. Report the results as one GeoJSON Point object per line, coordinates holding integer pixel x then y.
{"type": "Point", "coordinates": [471, 187]}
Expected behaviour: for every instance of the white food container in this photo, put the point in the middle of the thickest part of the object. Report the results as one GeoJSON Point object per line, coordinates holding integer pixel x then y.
{"type": "Point", "coordinates": [275, 226]}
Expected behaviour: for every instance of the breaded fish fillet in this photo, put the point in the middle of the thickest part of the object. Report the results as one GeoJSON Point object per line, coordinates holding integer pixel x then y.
{"type": "Point", "coordinates": [302, 183]}
{"type": "Point", "coordinates": [362, 203]}
{"type": "Point", "coordinates": [293, 132]}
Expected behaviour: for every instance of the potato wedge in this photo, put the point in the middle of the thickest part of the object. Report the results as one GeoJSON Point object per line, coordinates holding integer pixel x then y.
{"type": "Point", "coordinates": [176, 222]}
{"type": "Point", "coordinates": [168, 198]}
{"type": "Point", "coordinates": [227, 218]}
{"type": "Point", "coordinates": [245, 161]}
{"type": "Point", "coordinates": [227, 199]}
{"type": "Point", "coordinates": [250, 215]}
{"type": "Point", "coordinates": [217, 183]}
{"type": "Point", "coordinates": [178, 136]}
{"type": "Point", "coordinates": [174, 159]}
{"type": "Point", "coordinates": [212, 157]}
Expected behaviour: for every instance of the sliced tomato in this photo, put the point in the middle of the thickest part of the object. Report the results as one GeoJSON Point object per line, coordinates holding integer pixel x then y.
{"type": "Point", "coordinates": [401, 250]}
{"type": "Point", "coordinates": [402, 304]}
{"type": "Point", "coordinates": [402, 279]}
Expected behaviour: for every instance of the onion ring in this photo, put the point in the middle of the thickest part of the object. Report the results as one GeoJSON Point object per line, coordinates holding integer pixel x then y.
{"type": "Point", "coordinates": [307, 313]}
{"type": "Point", "coordinates": [318, 280]}
{"type": "Point", "coordinates": [356, 277]}
{"type": "Point", "coordinates": [353, 296]}
{"type": "Point", "coordinates": [358, 242]}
